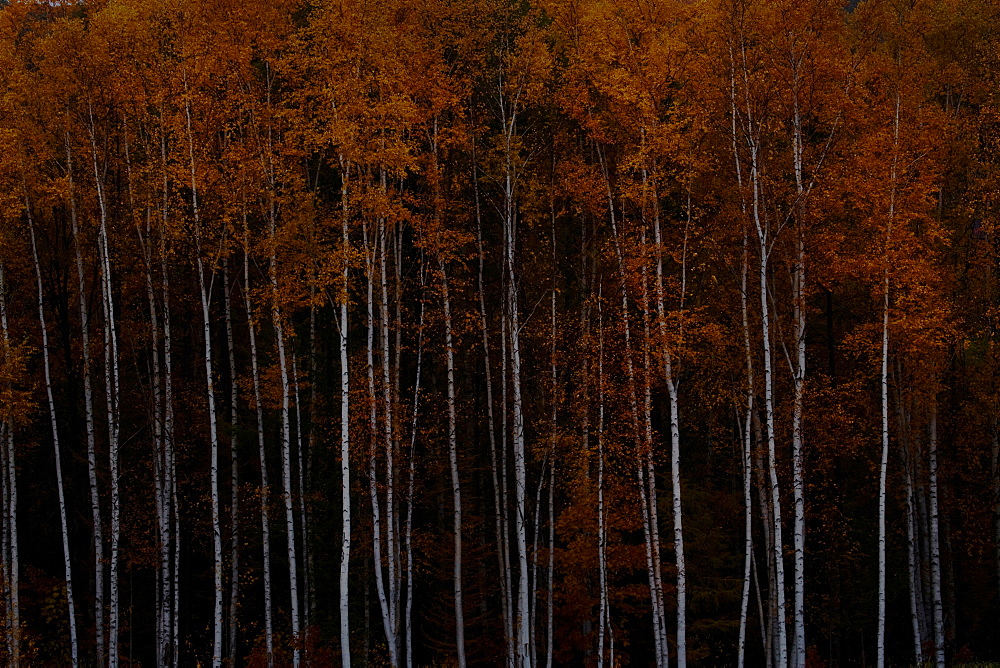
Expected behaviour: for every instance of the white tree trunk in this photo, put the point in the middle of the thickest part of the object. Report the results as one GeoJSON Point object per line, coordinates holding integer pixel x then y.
{"type": "Point", "coordinates": [12, 562]}
{"type": "Point", "coordinates": [456, 487]}
{"type": "Point", "coordinates": [95, 504]}
{"type": "Point", "coordinates": [304, 537]}
{"type": "Point", "coordinates": [555, 437]}
{"type": "Point", "coordinates": [647, 419]}
{"type": "Point", "coordinates": [407, 622]}
{"type": "Point", "coordinates": [205, 294]}
{"type": "Point", "coordinates": [883, 467]}
{"type": "Point", "coordinates": [509, 119]}
{"type": "Point", "coordinates": [798, 485]}
{"type": "Point", "coordinates": [798, 381]}
{"type": "Point", "coordinates": [505, 491]}
{"type": "Point", "coordinates": [345, 450]}
{"type": "Point", "coordinates": [499, 496]}
{"type": "Point", "coordinates": [265, 522]}
{"type": "Point", "coordinates": [286, 459]}
{"type": "Point", "coordinates": [111, 385]}
{"type": "Point", "coordinates": [394, 573]}
{"type": "Point", "coordinates": [170, 545]}
{"type": "Point", "coordinates": [747, 465]}
{"type": "Point", "coordinates": [160, 463]}
{"type": "Point", "coordinates": [675, 456]}
{"type": "Point", "coordinates": [384, 607]}
{"type": "Point", "coordinates": [781, 638]}
{"type": "Point", "coordinates": [173, 602]}
{"type": "Point", "coordinates": [935, 542]}
{"type": "Point", "coordinates": [537, 516]}
{"type": "Point", "coordinates": [111, 391]}
{"type": "Point", "coordinates": [880, 642]}
{"type": "Point", "coordinates": [913, 566]}
{"type": "Point", "coordinates": [169, 451]}
{"type": "Point", "coordinates": [751, 390]}
{"type": "Point", "coordinates": [649, 512]}
{"type": "Point", "coordinates": [71, 607]}
{"type": "Point", "coordinates": [234, 479]}
{"type": "Point", "coordinates": [604, 622]}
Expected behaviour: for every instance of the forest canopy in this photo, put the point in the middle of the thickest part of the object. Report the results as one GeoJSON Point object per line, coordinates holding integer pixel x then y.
{"type": "Point", "coordinates": [522, 332]}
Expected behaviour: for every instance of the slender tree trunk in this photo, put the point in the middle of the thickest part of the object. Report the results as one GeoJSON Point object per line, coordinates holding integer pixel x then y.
{"type": "Point", "coordinates": [407, 622]}
{"type": "Point", "coordinates": [505, 492]}
{"type": "Point", "coordinates": [649, 511]}
{"type": "Point", "coordinates": [552, 447]}
{"type": "Point", "coordinates": [277, 322]}
{"type": "Point", "coordinates": [499, 496]}
{"type": "Point", "coordinates": [161, 463]}
{"type": "Point", "coordinates": [5, 533]}
{"type": "Point", "coordinates": [747, 463]}
{"type": "Point", "coordinates": [880, 642]}
{"type": "Point", "coordinates": [111, 390]}
{"type": "Point", "coordinates": [173, 604]}
{"type": "Point", "coordinates": [234, 480]}
{"type": "Point", "coordinates": [647, 420]}
{"type": "Point", "coordinates": [304, 538]}
{"type": "Point", "coordinates": [751, 385]}
{"type": "Point", "coordinates": [6, 528]}
{"type": "Point", "coordinates": [95, 504]}
{"type": "Point", "coordinates": [769, 624]}
{"type": "Point", "coordinates": [524, 631]}
{"type": "Point", "coordinates": [168, 430]}
{"type": "Point", "coordinates": [71, 607]}
{"type": "Point", "coordinates": [935, 542]}
{"type": "Point", "coordinates": [924, 548]}
{"type": "Point", "coordinates": [995, 477]}
{"type": "Point", "coordinates": [394, 573]}
{"type": "Point", "coordinates": [286, 463]}
{"type": "Point", "coordinates": [911, 468]}
{"type": "Point", "coordinates": [205, 294]}
{"type": "Point", "coordinates": [345, 450]}
{"type": "Point", "coordinates": [913, 566]}
{"type": "Point", "coordinates": [533, 612]}
{"type": "Point", "coordinates": [456, 488]}
{"type": "Point", "coordinates": [111, 385]}
{"type": "Point", "coordinates": [764, 241]}
{"type": "Point", "coordinates": [384, 606]}
{"type": "Point", "coordinates": [12, 561]}
{"type": "Point", "coordinates": [604, 624]}
{"type": "Point", "coordinates": [883, 467]}
{"type": "Point", "coordinates": [170, 555]}
{"type": "Point", "coordinates": [551, 567]}
{"type": "Point", "coordinates": [265, 521]}
{"type": "Point", "coordinates": [798, 382]}
{"type": "Point", "coordinates": [675, 457]}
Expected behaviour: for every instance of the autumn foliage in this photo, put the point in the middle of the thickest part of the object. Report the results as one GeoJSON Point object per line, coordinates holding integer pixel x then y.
{"type": "Point", "coordinates": [479, 332]}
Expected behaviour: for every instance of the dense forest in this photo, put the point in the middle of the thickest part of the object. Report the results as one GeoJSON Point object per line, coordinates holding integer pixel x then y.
{"type": "Point", "coordinates": [523, 332]}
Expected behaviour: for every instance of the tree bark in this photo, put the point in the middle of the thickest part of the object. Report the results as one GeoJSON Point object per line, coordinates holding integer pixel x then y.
{"type": "Point", "coordinates": [935, 540]}
{"type": "Point", "coordinates": [111, 386]}
{"type": "Point", "coordinates": [205, 295]}
{"type": "Point", "coordinates": [747, 464]}
{"type": "Point", "coordinates": [70, 605]}
{"type": "Point", "coordinates": [456, 487]}
{"type": "Point", "coordinates": [12, 560]}
{"type": "Point", "coordinates": [880, 646]}
{"type": "Point", "coordinates": [234, 479]}
{"type": "Point", "coordinates": [265, 521]}
{"type": "Point", "coordinates": [88, 395]}
{"type": "Point", "coordinates": [345, 450]}
{"type": "Point", "coordinates": [407, 622]}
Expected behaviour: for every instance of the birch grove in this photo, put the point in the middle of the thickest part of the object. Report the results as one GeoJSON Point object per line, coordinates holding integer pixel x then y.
{"type": "Point", "coordinates": [480, 332]}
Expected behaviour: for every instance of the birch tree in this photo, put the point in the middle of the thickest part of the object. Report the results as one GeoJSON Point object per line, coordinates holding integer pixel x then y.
{"type": "Point", "coordinates": [60, 489]}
